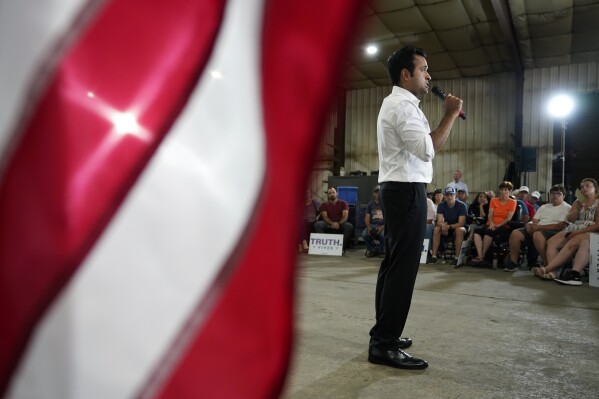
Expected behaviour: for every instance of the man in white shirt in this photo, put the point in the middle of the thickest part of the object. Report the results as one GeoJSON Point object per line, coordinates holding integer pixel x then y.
{"type": "Point", "coordinates": [406, 149]}
{"type": "Point", "coordinates": [549, 220]}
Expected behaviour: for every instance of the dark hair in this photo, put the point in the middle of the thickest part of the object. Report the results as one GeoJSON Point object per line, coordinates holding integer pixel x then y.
{"type": "Point", "coordinates": [402, 58]}
{"type": "Point", "coordinates": [558, 187]}
{"type": "Point", "coordinates": [485, 194]}
{"type": "Point", "coordinates": [506, 184]}
{"type": "Point", "coordinates": [592, 181]}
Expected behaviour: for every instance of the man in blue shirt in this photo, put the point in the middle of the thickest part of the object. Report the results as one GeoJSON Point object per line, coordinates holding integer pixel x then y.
{"type": "Point", "coordinates": [451, 221]}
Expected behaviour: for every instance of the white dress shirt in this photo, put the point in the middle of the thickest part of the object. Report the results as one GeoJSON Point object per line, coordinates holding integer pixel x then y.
{"type": "Point", "coordinates": [460, 185]}
{"type": "Point", "coordinates": [405, 146]}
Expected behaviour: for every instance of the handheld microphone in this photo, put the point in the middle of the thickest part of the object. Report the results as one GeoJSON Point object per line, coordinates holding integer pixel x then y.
{"type": "Point", "coordinates": [437, 91]}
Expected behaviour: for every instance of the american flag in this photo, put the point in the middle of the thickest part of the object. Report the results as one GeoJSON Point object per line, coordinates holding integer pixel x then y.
{"type": "Point", "coordinates": [153, 159]}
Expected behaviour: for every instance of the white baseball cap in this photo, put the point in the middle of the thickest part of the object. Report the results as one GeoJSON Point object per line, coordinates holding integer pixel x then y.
{"type": "Point", "coordinates": [536, 194]}
{"type": "Point", "coordinates": [524, 188]}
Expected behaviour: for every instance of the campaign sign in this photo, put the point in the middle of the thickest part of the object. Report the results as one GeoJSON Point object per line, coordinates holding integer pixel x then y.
{"type": "Point", "coordinates": [594, 261]}
{"type": "Point", "coordinates": [424, 251]}
{"type": "Point", "coordinates": [326, 244]}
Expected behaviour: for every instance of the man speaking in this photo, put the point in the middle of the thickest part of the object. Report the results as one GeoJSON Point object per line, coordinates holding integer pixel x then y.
{"type": "Point", "coordinates": [406, 148]}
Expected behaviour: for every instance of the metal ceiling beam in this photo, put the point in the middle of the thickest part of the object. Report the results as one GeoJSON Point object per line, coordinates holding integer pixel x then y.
{"type": "Point", "coordinates": [504, 17]}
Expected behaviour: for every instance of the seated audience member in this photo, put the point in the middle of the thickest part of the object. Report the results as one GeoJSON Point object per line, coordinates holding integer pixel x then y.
{"type": "Point", "coordinates": [490, 194]}
{"type": "Point", "coordinates": [584, 219]}
{"type": "Point", "coordinates": [581, 259]}
{"type": "Point", "coordinates": [548, 221]}
{"type": "Point", "coordinates": [437, 198]}
{"type": "Point", "coordinates": [480, 207]}
{"type": "Point", "coordinates": [334, 214]}
{"type": "Point", "coordinates": [451, 219]}
{"type": "Point", "coordinates": [311, 207]}
{"type": "Point", "coordinates": [462, 196]}
{"type": "Point", "coordinates": [501, 210]}
{"type": "Point", "coordinates": [431, 212]}
{"type": "Point", "coordinates": [524, 216]}
{"type": "Point", "coordinates": [535, 200]}
{"type": "Point", "coordinates": [375, 225]}
{"type": "Point", "coordinates": [523, 196]}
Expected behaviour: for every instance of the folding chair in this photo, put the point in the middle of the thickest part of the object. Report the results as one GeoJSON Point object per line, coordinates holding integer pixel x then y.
{"type": "Point", "coordinates": [447, 246]}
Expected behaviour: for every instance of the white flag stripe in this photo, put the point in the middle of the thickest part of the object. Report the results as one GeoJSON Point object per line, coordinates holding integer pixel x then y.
{"type": "Point", "coordinates": [29, 31]}
{"type": "Point", "coordinates": [121, 313]}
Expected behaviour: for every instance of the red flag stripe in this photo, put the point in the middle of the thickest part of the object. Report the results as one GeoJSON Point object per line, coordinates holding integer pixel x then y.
{"type": "Point", "coordinates": [261, 291]}
{"type": "Point", "coordinates": [243, 350]}
{"type": "Point", "coordinates": [70, 170]}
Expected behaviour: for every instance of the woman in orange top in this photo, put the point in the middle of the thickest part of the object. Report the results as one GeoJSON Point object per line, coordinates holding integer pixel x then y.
{"type": "Point", "coordinates": [501, 210]}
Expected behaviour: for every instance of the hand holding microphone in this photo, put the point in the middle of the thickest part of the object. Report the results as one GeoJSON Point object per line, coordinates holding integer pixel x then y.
{"type": "Point", "coordinates": [437, 91]}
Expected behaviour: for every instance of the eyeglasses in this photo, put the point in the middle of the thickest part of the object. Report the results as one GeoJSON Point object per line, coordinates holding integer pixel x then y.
{"type": "Point", "coordinates": [557, 193]}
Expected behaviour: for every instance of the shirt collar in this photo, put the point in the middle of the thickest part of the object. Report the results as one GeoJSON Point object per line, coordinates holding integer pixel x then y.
{"type": "Point", "coordinates": [403, 92]}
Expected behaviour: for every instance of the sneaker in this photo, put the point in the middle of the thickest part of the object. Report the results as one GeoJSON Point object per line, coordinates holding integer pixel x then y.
{"type": "Point", "coordinates": [433, 259]}
{"type": "Point", "coordinates": [509, 265]}
{"type": "Point", "coordinates": [454, 262]}
{"type": "Point", "coordinates": [570, 277]}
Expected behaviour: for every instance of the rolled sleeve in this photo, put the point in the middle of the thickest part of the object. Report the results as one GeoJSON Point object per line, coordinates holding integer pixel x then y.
{"type": "Point", "coordinates": [415, 132]}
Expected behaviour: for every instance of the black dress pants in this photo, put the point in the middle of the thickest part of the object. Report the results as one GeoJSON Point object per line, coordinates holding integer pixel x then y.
{"type": "Point", "coordinates": [404, 209]}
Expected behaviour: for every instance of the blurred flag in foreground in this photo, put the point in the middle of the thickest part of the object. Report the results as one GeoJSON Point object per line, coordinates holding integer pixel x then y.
{"type": "Point", "coordinates": [153, 158]}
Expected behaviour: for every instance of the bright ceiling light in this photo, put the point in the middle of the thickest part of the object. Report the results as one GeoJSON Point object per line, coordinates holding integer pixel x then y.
{"type": "Point", "coordinates": [216, 74]}
{"type": "Point", "coordinates": [560, 106]}
{"type": "Point", "coordinates": [372, 50]}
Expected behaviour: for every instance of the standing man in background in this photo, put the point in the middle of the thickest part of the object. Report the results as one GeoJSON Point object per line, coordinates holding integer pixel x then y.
{"type": "Point", "coordinates": [406, 149]}
{"type": "Point", "coordinates": [457, 183]}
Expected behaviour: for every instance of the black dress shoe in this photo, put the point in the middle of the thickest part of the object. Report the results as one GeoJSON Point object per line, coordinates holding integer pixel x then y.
{"type": "Point", "coordinates": [404, 343]}
{"type": "Point", "coordinates": [395, 358]}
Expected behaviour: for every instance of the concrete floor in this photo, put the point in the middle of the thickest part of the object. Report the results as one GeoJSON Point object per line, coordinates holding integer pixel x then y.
{"type": "Point", "coordinates": [485, 333]}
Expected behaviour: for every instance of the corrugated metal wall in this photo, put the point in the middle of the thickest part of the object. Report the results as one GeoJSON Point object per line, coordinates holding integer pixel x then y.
{"type": "Point", "coordinates": [324, 160]}
{"type": "Point", "coordinates": [481, 147]}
